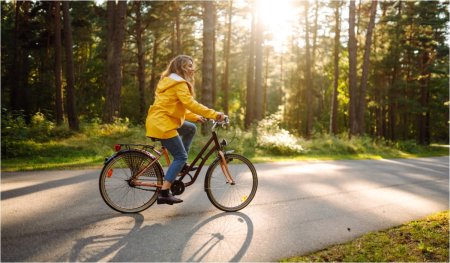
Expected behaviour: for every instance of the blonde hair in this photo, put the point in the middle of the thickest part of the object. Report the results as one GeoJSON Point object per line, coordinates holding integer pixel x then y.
{"type": "Point", "coordinates": [178, 66]}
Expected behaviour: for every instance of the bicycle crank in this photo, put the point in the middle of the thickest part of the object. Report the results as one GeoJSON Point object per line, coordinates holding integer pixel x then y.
{"type": "Point", "coordinates": [177, 188]}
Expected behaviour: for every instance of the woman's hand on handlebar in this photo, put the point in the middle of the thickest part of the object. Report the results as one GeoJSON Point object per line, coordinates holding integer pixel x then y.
{"type": "Point", "coordinates": [221, 117]}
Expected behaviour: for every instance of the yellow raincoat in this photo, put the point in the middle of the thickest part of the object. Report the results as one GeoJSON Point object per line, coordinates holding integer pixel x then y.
{"type": "Point", "coordinates": [173, 104]}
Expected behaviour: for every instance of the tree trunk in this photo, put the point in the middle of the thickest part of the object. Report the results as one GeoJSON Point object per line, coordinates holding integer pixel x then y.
{"type": "Point", "coordinates": [334, 100]}
{"type": "Point", "coordinates": [14, 81]}
{"type": "Point", "coordinates": [140, 58]}
{"type": "Point", "coordinates": [259, 93]}
{"type": "Point", "coordinates": [153, 80]}
{"type": "Point", "coordinates": [308, 78]}
{"type": "Point", "coordinates": [353, 120]}
{"type": "Point", "coordinates": [266, 80]}
{"type": "Point", "coordinates": [176, 33]}
{"type": "Point", "coordinates": [226, 58]}
{"type": "Point", "coordinates": [317, 89]}
{"type": "Point", "coordinates": [314, 47]}
{"type": "Point", "coordinates": [19, 85]}
{"type": "Point", "coordinates": [250, 98]}
{"type": "Point", "coordinates": [365, 69]}
{"type": "Point", "coordinates": [115, 36]}
{"type": "Point", "coordinates": [71, 104]}
{"type": "Point", "coordinates": [177, 28]}
{"type": "Point", "coordinates": [58, 68]}
{"type": "Point", "coordinates": [214, 89]}
{"type": "Point", "coordinates": [424, 114]}
{"type": "Point", "coordinates": [208, 55]}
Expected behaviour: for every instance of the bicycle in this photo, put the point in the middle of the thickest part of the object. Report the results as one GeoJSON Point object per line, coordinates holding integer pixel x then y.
{"type": "Point", "coordinates": [133, 176]}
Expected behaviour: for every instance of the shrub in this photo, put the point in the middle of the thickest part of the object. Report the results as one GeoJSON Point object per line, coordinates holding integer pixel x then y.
{"type": "Point", "coordinates": [407, 146]}
{"type": "Point", "coordinates": [325, 143]}
{"type": "Point", "coordinates": [14, 126]}
{"type": "Point", "coordinates": [95, 128]}
{"type": "Point", "coordinates": [40, 128]}
{"type": "Point", "coordinates": [271, 137]}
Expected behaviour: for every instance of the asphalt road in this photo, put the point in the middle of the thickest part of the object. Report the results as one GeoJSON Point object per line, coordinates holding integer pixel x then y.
{"type": "Point", "coordinates": [299, 207]}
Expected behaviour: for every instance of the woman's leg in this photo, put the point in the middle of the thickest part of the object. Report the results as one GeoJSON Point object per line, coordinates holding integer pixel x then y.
{"type": "Point", "coordinates": [176, 149]}
{"type": "Point", "coordinates": [187, 132]}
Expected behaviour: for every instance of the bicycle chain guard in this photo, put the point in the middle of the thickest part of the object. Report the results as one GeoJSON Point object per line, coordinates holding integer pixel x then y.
{"type": "Point", "coordinates": [177, 188]}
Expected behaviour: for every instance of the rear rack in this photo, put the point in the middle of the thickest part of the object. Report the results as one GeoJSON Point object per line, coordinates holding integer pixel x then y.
{"type": "Point", "coordinates": [129, 146]}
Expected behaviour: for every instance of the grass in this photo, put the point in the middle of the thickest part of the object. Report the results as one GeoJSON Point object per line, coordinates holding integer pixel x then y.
{"type": "Point", "coordinates": [90, 147]}
{"type": "Point", "coordinates": [425, 240]}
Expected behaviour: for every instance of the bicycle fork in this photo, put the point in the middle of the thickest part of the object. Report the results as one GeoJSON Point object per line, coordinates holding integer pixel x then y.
{"type": "Point", "coordinates": [225, 170]}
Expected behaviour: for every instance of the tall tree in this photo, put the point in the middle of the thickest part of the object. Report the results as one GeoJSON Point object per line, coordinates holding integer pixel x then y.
{"type": "Point", "coordinates": [394, 74]}
{"type": "Point", "coordinates": [250, 94]}
{"type": "Point", "coordinates": [259, 93]}
{"type": "Point", "coordinates": [431, 21]}
{"type": "Point", "coordinates": [226, 58]}
{"type": "Point", "coordinates": [314, 87]}
{"type": "Point", "coordinates": [153, 78]}
{"type": "Point", "coordinates": [353, 93]}
{"type": "Point", "coordinates": [308, 78]}
{"type": "Point", "coordinates": [58, 67]}
{"type": "Point", "coordinates": [19, 87]}
{"type": "Point", "coordinates": [365, 69]}
{"type": "Point", "coordinates": [337, 43]}
{"type": "Point", "coordinates": [140, 57]}
{"type": "Point", "coordinates": [71, 104]}
{"type": "Point", "coordinates": [116, 13]}
{"type": "Point", "coordinates": [208, 54]}
{"type": "Point", "coordinates": [176, 32]}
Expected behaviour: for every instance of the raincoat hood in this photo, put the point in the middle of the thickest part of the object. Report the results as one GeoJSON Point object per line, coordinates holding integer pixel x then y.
{"type": "Point", "coordinates": [171, 81]}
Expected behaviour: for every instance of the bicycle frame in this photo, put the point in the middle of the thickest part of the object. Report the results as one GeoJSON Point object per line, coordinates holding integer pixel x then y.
{"type": "Point", "coordinates": [217, 147]}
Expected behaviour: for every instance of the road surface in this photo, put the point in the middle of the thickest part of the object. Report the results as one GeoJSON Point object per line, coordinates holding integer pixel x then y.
{"type": "Point", "coordinates": [299, 207]}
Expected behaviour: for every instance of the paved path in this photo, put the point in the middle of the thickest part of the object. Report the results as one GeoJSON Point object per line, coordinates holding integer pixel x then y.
{"type": "Point", "coordinates": [299, 207]}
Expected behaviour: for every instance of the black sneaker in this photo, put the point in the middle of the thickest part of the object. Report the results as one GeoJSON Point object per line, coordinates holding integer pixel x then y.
{"type": "Point", "coordinates": [167, 199]}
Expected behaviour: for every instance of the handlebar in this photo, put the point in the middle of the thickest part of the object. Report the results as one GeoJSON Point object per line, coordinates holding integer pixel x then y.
{"type": "Point", "coordinates": [226, 121]}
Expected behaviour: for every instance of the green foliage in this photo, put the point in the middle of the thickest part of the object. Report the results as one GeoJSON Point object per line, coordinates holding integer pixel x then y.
{"type": "Point", "coordinates": [272, 138]}
{"type": "Point", "coordinates": [21, 139]}
{"type": "Point", "coordinates": [96, 128]}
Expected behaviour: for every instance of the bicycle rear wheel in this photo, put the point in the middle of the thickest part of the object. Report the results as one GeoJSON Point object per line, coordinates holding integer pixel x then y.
{"type": "Point", "coordinates": [228, 197]}
{"type": "Point", "coordinates": [115, 181]}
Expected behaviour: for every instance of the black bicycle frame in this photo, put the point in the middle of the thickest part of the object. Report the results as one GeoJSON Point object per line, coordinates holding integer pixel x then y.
{"type": "Point", "coordinates": [217, 147]}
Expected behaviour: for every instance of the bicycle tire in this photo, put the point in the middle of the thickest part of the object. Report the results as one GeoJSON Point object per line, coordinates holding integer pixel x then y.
{"type": "Point", "coordinates": [114, 185]}
{"type": "Point", "coordinates": [227, 197]}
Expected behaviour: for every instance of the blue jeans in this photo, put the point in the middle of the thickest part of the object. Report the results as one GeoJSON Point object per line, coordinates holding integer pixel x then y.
{"type": "Point", "coordinates": [178, 147]}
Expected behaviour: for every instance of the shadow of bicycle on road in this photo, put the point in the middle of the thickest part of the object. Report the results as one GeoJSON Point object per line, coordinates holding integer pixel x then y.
{"type": "Point", "coordinates": [221, 237]}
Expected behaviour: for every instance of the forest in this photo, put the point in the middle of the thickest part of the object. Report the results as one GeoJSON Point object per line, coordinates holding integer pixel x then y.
{"type": "Point", "coordinates": [360, 68]}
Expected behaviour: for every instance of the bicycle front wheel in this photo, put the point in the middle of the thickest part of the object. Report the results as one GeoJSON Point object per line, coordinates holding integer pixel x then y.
{"type": "Point", "coordinates": [231, 197]}
{"type": "Point", "coordinates": [117, 189]}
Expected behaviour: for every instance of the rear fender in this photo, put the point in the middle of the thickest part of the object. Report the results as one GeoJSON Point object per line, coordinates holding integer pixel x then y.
{"type": "Point", "coordinates": [150, 156]}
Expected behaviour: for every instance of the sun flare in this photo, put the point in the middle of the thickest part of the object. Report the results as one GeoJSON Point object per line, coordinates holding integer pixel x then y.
{"type": "Point", "coordinates": [278, 18]}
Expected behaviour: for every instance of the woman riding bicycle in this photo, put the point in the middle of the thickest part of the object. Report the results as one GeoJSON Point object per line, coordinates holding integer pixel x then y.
{"type": "Point", "coordinates": [166, 119]}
